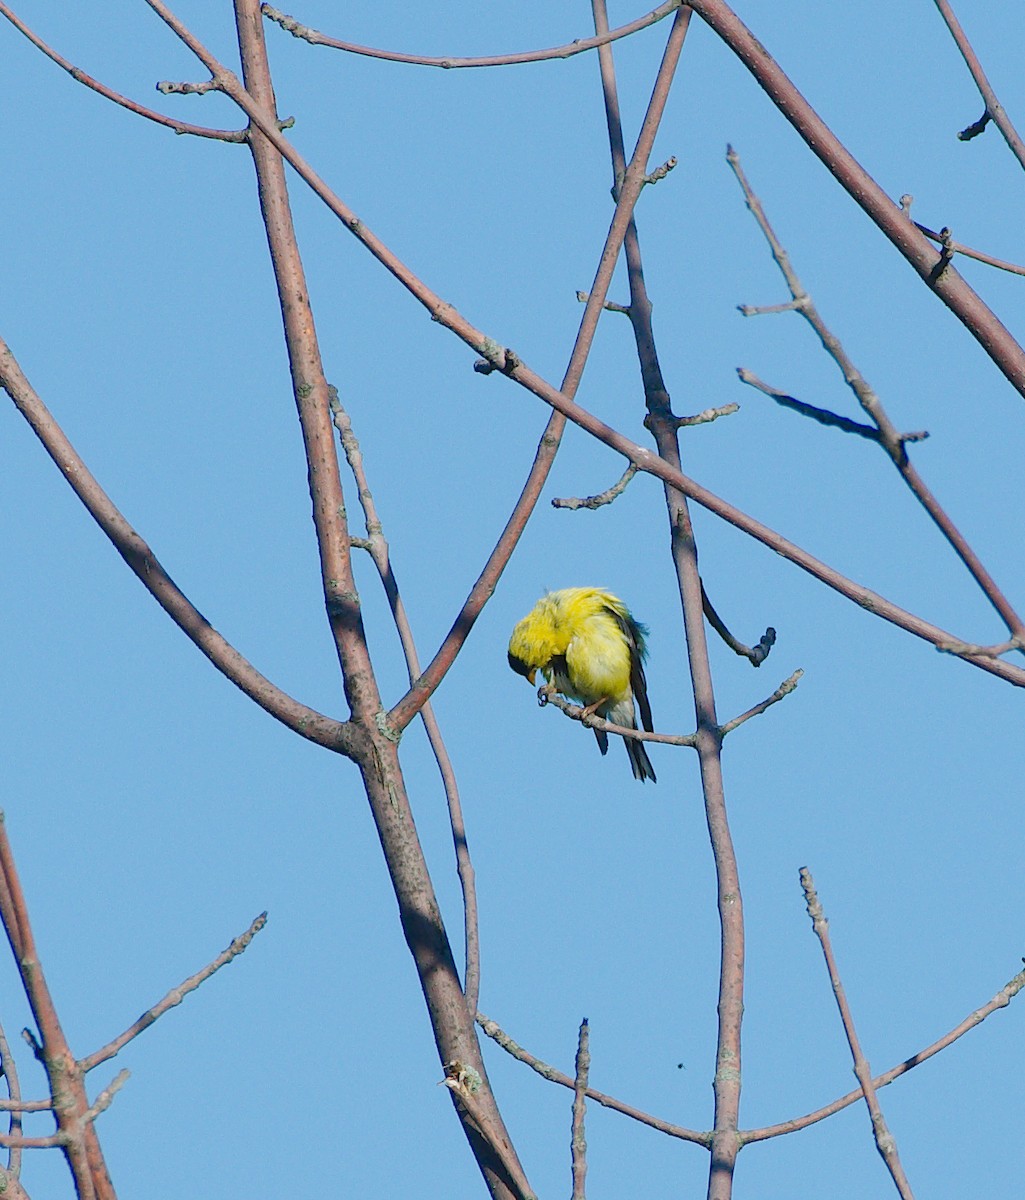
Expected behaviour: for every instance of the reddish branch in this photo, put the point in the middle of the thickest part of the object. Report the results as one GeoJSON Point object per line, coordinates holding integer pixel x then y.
{"type": "Point", "coordinates": [885, 432]}
{"type": "Point", "coordinates": [579, 46]}
{"type": "Point", "coordinates": [885, 1143]}
{"type": "Point", "coordinates": [934, 269]}
{"type": "Point", "coordinates": [995, 111]}
{"type": "Point", "coordinates": [174, 997]}
{"type": "Point", "coordinates": [377, 546]}
{"type": "Point", "coordinates": [726, 1084]}
{"type": "Point", "coordinates": [76, 73]}
{"type": "Point", "coordinates": [311, 724]}
{"type": "Point", "coordinates": [75, 1135]}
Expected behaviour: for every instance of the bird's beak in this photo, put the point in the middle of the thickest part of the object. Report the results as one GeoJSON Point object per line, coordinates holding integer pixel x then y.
{"type": "Point", "coordinates": [530, 677]}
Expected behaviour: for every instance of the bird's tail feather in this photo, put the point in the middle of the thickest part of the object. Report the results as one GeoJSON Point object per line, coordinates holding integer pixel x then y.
{"type": "Point", "coordinates": [639, 760]}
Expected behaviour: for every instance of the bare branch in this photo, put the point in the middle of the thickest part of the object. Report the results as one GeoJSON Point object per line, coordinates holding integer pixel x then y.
{"type": "Point", "coordinates": [707, 415]}
{"type": "Point", "coordinates": [968, 252]}
{"type": "Point", "coordinates": [608, 306]}
{"type": "Point", "coordinates": [885, 1143]}
{"type": "Point", "coordinates": [13, 1104]}
{"type": "Point", "coordinates": [174, 996]}
{"type": "Point", "coordinates": [784, 689]}
{"type": "Point", "coordinates": [316, 727]}
{"type": "Point", "coordinates": [76, 73]}
{"type": "Point", "coordinates": [994, 109]}
{"type": "Point", "coordinates": [662, 424]}
{"type": "Point", "coordinates": [465, 1082]}
{"type": "Point", "coordinates": [498, 1035]}
{"type": "Point", "coordinates": [885, 433]}
{"type": "Point", "coordinates": [379, 550]}
{"type": "Point", "coordinates": [578, 1140]}
{"type": "Point", "coordinates": [755, 655]}
{"type": "Point", "coordinates": [602, 498]}
{"type": "Point", "coordinates": [548, 695]}
{"type": "Point", "coordinates": [1001, 1000]}
{"type": "Point", "coordinates": [75, 1133]}
{"type": "Point", "coordinates": [950, 287]}
{"type": "Point", "coordinates": [450, 62]}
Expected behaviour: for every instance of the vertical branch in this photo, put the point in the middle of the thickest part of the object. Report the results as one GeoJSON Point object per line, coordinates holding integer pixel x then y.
{"type": "Point", "coordinates": [70, 1104]}
{"type": "Point", "coordinates": [885, 1143]}
{"type": "Point", "coordinates": [725, 1141]}
{"type": "Point", "coordinates": [578, 1141]}
{"type": "Point", "coordinates": [376, 752]}
{"type": "Point", "coordinates": [377, 545]}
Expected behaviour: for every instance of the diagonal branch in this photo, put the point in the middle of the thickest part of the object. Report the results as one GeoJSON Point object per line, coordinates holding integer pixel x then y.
{"type": "Point", "coordinates": [893, 442]}
{"type": "Point", "coordinates": [377, 546]}
{"type": "Point", "coordinates": [980, 321]}
{"type": "Point", "coordinates": [885, 1143]}
{"type": "Point", "coordinates": [76, 73]}
{"type": "Point", "coordinates": [1001, 1000]}
{"type": "Point", "coordinates": [174, 996]}
{"type": "Point", "coordinates": [311, 724]}
{"type": "Point", "coordinates": [995, 111]}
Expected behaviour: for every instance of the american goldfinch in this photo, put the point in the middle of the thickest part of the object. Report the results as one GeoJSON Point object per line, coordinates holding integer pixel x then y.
{"type": "Point", "coordinates": [585, 642]}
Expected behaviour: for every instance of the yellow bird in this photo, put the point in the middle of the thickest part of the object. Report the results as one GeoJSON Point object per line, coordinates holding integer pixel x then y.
{"type": "Point", "coordinates": [585, 642]}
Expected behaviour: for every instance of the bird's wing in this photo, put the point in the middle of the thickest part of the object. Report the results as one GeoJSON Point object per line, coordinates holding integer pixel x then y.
{"type": "Point", "coordinates": [639, 685]}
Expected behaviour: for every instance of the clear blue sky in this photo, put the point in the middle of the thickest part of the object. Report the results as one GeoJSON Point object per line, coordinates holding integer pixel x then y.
{"type": "Point", "coordinates": [154, 811]}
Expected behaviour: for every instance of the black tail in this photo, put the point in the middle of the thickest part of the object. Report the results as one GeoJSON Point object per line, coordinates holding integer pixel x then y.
{"type": "Point", "coordinates": [639, 760]}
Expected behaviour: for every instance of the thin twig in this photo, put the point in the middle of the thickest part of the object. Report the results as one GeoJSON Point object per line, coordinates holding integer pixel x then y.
{"type": "Point", "coordinates": [994, 109]}
{"type": "Point", "coordinates": [174, 997]}
{"type": "Point", "coordinates": [707, 415]}
{"type": "Point", "coordinates": [578, 1139]}
{"type": "Point", "coordinates": [14, 1102]}
{"type": "Point", "coordinates": [76, 1134]}
{"type": "Point", "coordinates": [1001, 1000]}
{"type": "Point", "coordinates": [608, 306]}
{"type": "Point", "coordinates": [962, 648]}
{"type": "Point", "coordinates": [755, 655]}
{"type": "Point", "coordinates": [499, 1036]}
{"type": "Point", "coordinates": [380, 552]}
{"type": "Point", "coordinates": [885, 1142]}
{"type": "Point", "coordinates": [76, 73]}
{"type": "Point", "coordinates": [784, 689]}
{"type": "Point", "coordinates": [892, 441]}
{"type": "Point", "coordinates": [602, 498]}
{"type": "Point", "coordinates": [450, 62]}
{"type": "Point", "coordinates": [968, 252]}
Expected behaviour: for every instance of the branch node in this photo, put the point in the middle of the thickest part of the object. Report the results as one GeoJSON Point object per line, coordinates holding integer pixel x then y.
{"type": "Point", "coordinates": [168, 88]}
{"type": "Point", "coordinates": [602, 498]}
{"type": "Point", "coordinates": [608, 306]}
{"type": "Point", "coordinates": [662, 171]}
{"type": "Point", "coordinates": [706, 415]}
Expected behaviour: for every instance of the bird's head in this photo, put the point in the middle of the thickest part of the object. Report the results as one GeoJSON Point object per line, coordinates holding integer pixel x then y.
{"type": "Point", "coordinates": [522, 668]}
